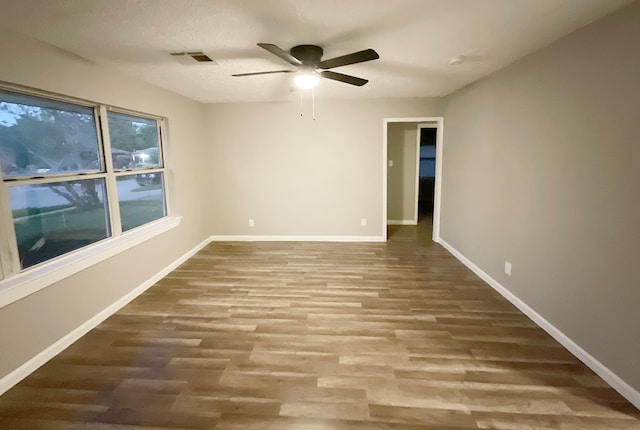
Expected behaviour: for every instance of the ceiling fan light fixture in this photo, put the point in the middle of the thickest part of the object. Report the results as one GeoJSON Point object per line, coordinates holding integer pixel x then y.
{"type": "Point", "coordinates": [306, 80]}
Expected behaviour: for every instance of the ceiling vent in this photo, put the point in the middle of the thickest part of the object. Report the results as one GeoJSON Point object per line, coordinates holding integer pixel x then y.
{"type": "Point", "coordinates": [190, 58]}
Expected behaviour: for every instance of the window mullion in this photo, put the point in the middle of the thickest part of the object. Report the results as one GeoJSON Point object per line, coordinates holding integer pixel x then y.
{"type": "Point", "coordinates": [112, 186]}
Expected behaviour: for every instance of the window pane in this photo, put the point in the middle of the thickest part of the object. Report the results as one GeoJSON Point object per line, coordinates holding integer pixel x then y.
{"type": "Point", "coordinates": [141, 199]}
{"type": "Point", "coordinates": [134, 141]}
{"type": "Point", "coordinates": [427, 168]}
{"type": "Point", "coordinates": [427, 151]}
{"type": "Point", "coordinates": [42, 137]}
{"type": "Point", "coordinates": [55, 218]}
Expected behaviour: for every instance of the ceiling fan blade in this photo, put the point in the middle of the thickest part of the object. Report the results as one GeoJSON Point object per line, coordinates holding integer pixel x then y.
{"type": "Point", "coordinates": [356, 57]}
{"type": "Point", "coordinates": [347, 79]}
{"type": "Point", "coordinates": [263, 73]}
{"type": "Point", "coordinates": [279, 52]}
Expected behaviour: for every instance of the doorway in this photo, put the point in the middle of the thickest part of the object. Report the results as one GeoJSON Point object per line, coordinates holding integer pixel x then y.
{"type": "Point", "coordinates": [426, 170]}
{"type": "Point", "coordinates": [432, 160]}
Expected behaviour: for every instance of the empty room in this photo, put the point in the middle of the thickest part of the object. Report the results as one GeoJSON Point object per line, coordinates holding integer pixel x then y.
{"type": "Point", "coordinates": [301, 214]}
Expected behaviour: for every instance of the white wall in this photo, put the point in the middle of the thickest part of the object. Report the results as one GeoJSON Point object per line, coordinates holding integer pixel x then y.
{"type": "Point", "coordinates": [299, 177]}
{"type": "Point", "coordinates": [402, 139]}
{"type": "Point", "coordinates": [541, 168]}
{"type": "Point", "coordinates": [31, 324]}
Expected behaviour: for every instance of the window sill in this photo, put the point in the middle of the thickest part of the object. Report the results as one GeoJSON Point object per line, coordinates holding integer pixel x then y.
{"type": "Point", "coordinates": [32, 280]}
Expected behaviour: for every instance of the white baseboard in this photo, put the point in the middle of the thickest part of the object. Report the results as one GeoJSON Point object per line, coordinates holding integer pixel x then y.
{"type": "Point", "coordinates": [604, 372]}
{"type": "Point", "coordinates": [402, 222]}
{"type": "Point", "coordinates": [269, 238]}
{"type": "Point", "coordinates": [60, 345]}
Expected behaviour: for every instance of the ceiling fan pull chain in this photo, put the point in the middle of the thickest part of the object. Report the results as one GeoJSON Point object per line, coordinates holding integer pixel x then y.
{"type": "Point", "coordinates": [301, 108]}
{"type": "Point", "coordinates": [313, 103]}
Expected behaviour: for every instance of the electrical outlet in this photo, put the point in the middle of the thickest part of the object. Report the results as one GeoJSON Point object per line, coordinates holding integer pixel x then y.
{"type": "Point", "coordinates": [363, 222]}
{"type": "Point", "coordinates": [390, 163]}
{"type": "Point", "coordinates": [252, 223]}
{"type": "Point", "coordinates": [507, 268]}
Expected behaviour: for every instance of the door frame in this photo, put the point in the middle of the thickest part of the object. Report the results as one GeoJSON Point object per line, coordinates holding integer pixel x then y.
{"type": "Point", "coordinates": [439, 121]}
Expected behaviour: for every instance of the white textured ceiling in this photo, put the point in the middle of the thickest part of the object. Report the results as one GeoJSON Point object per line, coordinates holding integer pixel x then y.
{"type": "Point", "coordinates": [415, 39]}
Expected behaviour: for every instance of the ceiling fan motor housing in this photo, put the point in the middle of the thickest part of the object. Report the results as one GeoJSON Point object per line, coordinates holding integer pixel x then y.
{"type": "Point", "coordinates": [308, 61]}
{"type": "Point", "coordinates": [309, 55]}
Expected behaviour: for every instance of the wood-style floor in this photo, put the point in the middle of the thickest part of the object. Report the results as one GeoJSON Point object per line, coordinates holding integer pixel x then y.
{"type": "Point", "coordinates": [317, 336]}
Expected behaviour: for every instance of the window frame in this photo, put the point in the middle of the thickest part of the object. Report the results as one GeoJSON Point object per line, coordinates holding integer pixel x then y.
{"type": "Point", "coordinates": [16, 282]}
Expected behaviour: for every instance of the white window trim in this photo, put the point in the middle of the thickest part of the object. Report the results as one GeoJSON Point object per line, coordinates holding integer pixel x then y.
{"type": "Point", "coordinates": [17, 285]}
{"type": "Point", "coordinates": [57, 269]}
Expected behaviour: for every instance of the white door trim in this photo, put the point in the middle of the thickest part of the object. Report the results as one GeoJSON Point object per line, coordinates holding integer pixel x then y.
{"type": "Point", "coordinates": [437, 195]}
{"type": "Point", "coordinates": [439, 120]}
{"type": "Point", "coordinates": [416, 183]}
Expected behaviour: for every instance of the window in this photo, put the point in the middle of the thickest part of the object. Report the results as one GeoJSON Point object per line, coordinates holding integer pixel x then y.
{"type": "Point", "coordinates": [141, 199]}
{"type": "Point", "coordinates": [135, 146]}
{"type": "Point", "coordinates": [53, 218]}
{"type": "Point", "coordinates": [60, 192]}
{"type": "Point", "coordinates": [427, 161]}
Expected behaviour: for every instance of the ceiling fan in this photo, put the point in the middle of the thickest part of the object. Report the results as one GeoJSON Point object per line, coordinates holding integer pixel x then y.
{"type": "Point", "coordinates": [311, 67]}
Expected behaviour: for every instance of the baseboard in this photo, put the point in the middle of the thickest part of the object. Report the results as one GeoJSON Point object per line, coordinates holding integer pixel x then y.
{"type": "Point", "coordinates": [271, 238]}
{"type": "Point", "coordinates": [41, 358]}
{"type": "Point", "coordinates": [402, 222]}
{"type": "Point", "coordinates": [604, 372]}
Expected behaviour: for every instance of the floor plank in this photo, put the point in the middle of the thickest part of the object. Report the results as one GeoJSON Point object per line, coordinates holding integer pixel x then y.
{"type": "Point", "coordinates": [396, 335]}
